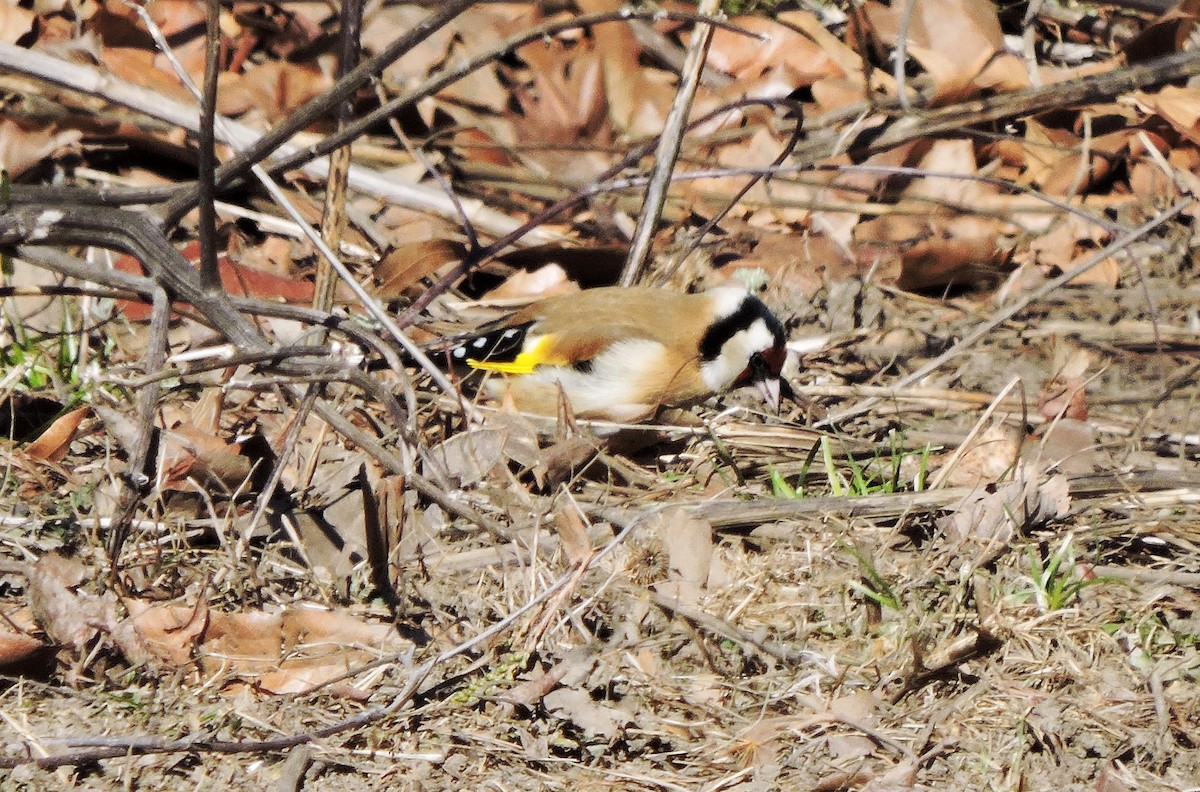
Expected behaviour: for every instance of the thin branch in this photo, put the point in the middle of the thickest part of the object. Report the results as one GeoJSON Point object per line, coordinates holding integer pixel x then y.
{"type": "Point", "coordinates": [669, 143]}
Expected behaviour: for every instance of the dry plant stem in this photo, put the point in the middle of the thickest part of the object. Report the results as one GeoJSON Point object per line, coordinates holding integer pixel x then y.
{"type": "Point", "coordinates": [141, 470]}
{"type": "Point", "coordinates": [901, 56]}
{"type": "Point", "coordinates": [669, 143]}
{"type": "Point", "coordinates": [1116, 246]}
{"type": "Point", "coordinates": [300, 118]}
{"type": "Point", "coordinates": [210, 275]}
{"type": "Point", "coordinates": [90, 81]}
{"type": "Point", "coordinates": [722, 628]}
{"type": "Point", "coordinates": [333, 220]}
{"type": "Point", "coordinates": [135, 234]}
{"type": "Point", "coordinates": [333, 224]}
{"type": "Point", "coordinates": [1071, 93]}
{"type": "Point", "coordinates": [1142, 575]}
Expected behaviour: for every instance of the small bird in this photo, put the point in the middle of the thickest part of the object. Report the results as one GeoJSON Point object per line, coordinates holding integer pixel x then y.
{"type": "Point", "coordinates": [621, 354]}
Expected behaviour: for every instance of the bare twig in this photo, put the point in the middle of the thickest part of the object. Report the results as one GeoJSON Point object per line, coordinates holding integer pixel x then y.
{"type": "Point", "coordinates": [1011, 310]}
{"type": "Point", "coordinates": [669, 143]}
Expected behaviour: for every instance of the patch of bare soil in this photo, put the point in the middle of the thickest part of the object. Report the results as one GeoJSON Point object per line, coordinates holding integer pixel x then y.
{"type": "Point", "coordinates": [876, 642]}
{"type": "Point", "coordinates": [249, 543]}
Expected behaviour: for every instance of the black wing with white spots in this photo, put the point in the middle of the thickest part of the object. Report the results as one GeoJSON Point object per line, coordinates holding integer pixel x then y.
{"type": "Point", "coordinates": [500, 345]}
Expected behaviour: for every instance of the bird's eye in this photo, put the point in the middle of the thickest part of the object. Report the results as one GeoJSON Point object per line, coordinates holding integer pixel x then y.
{"type": "Point", "coordinates": [758, 363]}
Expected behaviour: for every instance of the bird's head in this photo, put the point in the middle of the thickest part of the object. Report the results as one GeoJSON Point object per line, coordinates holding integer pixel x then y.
{"type": "Point", "coordinates": [744, 345]}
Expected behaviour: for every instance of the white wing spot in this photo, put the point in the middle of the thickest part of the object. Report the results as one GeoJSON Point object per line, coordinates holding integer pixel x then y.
{"type": "Point", "coordinates": [459, 352]}
{"type": "Point", "coordinates": [479, 343]}
{"type": "Point", "coordinates": [510, 333]}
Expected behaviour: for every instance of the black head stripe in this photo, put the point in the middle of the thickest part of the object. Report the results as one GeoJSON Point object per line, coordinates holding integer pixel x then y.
{"type": "Point", "coordinates": [751, 310]}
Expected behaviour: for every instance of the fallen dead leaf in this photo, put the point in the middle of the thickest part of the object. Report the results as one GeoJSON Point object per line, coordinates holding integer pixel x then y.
{"type": "Point", "coordinates": [16, 648]}
{"type": "Point", "coordinates": [595, 719]}
{"type": "Point", "coordinates": [689, 546]}
{"type": "Point", "coordinates": [69, 618]}
{"type": "Point", "coordinates": [55, 442]}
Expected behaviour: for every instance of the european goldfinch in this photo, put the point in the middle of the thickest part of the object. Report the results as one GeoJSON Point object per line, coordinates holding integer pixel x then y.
{"type": "Point", "coordinates": [620, 354]}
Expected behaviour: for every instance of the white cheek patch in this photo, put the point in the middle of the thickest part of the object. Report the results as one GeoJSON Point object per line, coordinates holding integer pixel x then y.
{"type": "Point", "coordinates": [721, 372]}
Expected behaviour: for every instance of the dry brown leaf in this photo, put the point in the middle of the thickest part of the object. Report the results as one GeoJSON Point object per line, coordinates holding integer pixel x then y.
{"type": "Point", "coordinates": [952, 39]}
{"type": "Point", "coordinates": [858, 707]}
{"type": "Point", "coordinates": [993, 517]}
{"type": "Point", "coordinates": [16, 648]}
{"type": "Point", "coordinates": [271, 88]}
{"type": "Point", "coordinates": [1064, 395]}
{"type": "Point", "coordinates": [989, 456]}
{"type": "Point", "coordinates": [566, 105]}
{"type": "Point", "coordinates": [294, 650]}
{"type": "Point", "coordinates": [408, 263]}
{"type": "Point", "coordinates": [546, 281]}
{"type": "Point", "coordinates": [595, 719]}
{"type": "Point", "coordinates": [799, 264]}
{"type": "Point", "coordinates": [470, 457]}
{"type": "Point", "coordinates": [53, 444]}
{"type": "Point", "coordinates": [192, 451]}
{"type": "Point", "coordinates": [23, 146]}
{"type": "Point", "coordinates": [771, 45]}
{"type": "Point", "coordinates": [633, 104]}
{"type": "Point", "coordinates": [157, 633]}
{"type": "Point", "coordinates": [956, 251]}
{"type": "Point", "coordinates": [900, 777]}
{"type": "Point", "coordinates": [572, 533]}
{"type": "Point", "coordinates": [578, 663]}
{"type": "Point", "coordinates": [689, 546]}
{"type": "Point", "coordinates": [68, 618]}
{"type": "Point", "coordinates": [1071, 446]}
{"type": "Point", "coordinates": [138, 66]}
{"type": "Point", "coordinates": [1058, 249]}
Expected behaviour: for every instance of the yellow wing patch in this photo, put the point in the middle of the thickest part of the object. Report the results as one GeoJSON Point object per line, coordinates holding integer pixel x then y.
{"type": "Point", "coordinates": [541, 353]}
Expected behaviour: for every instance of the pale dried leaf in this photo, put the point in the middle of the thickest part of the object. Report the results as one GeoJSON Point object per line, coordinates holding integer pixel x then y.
{"type": "Point", "coordinates": [68, 618]}
{"type": "Point", "coordinates": [573, 533]}
{"type": "Point", "coordinates": [546, 281]}
{"type": "Point", "coordinates": [594, 718]}
{"type": "Point", "coordinates": [689, 546]}
{"type": "Point", "coordinates": [470, 457]}
{"type": "Point", "coordinates": [24, 146]}
{"type": "Point", "coordinates": [993, 517]}
{"type": "Point", "coordinates": [992, 453]}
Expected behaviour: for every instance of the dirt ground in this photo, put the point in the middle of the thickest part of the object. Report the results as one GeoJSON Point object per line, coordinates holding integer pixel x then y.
{"type": "Point", "coordinates": [1038, 633]}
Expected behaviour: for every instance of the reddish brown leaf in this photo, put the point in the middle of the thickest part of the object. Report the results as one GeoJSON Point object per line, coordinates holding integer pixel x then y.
{"type": "Point", "coordinates": [15, 649]}
{"type": "Point", "coordinates": [54, 443]}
